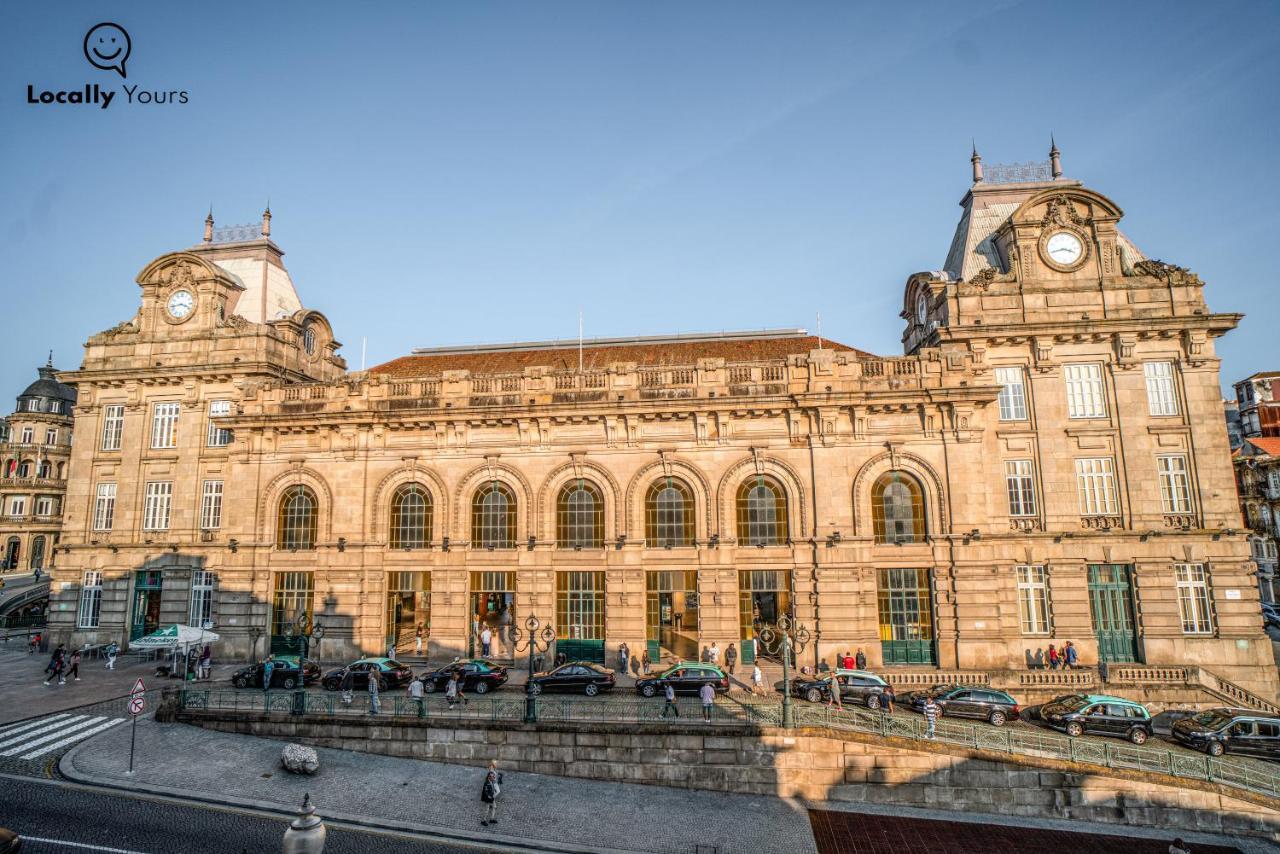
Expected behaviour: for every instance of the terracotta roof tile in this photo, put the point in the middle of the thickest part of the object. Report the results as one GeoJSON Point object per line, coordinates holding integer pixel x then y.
{"type": "Point", "coordinates": [1266, 444]}
{"type": "Point", "coordinates": [679, 353]}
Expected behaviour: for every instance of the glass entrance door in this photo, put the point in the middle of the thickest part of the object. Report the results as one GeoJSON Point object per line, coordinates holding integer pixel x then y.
{"type": "Point", "coordinates": [906, 616]}
{"type": "Point", "coordinates": [1111, 606]}
{"type": "Point", "coordinates": [580, 615]}
{"type": "Point", "coordinates": [493, 607]}
{"type": "Point", "coordinates": [671, 614]}
{"type": "Point", "coordinates": [764, 595]}
{"type": "Point", "coordinates": [408, 611]}
{"type": "Point", "coordinates": [146, 603]}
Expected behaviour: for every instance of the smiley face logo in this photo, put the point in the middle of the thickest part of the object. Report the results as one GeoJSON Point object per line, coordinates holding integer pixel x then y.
{"type": "Point", "coordinates": [107, 46]}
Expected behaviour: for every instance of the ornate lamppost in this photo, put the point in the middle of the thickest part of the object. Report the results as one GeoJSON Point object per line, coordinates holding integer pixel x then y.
{"type": "Point", "coordinates": [535, 638]}
{"type": "Point", "coordinates": [317, 635]}
{"type": "Point", "coordinates": [785, 637]}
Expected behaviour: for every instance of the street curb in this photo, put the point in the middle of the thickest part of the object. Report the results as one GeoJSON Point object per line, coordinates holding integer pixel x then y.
{"type": "Point", "coordinates": [66, 768]}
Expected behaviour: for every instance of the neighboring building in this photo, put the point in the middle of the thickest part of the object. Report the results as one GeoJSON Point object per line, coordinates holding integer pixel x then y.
{"type": "Point", "coordinates": [1046, 462]}
{"type": "Point", "coordinates": [1258, 483]}
{"type": "Point", "coordinates": [1259, 409]}
{"type": "Point", "coordinates": [34, 455]}
{"type": "Point", "coordinates": [1235, 430]}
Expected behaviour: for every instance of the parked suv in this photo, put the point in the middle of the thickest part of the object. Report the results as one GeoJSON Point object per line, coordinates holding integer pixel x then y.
{"type": "Point", "coordinates": [286, 672]}
{"type": "Point", "coordinates": [389, 673]}
{"type": "Point", "coordinates": [687, 677]}
{"type": "Point", "coordinates": [968, 701]}
{"type": "Point", "coordinates": [1218, 731]}
{"type": "Point", "coordinates": [1098, 714]}
{"type": "Point", "coordinates": [475, 675]}
{"type": "Point", "coordinates": [859, 686]}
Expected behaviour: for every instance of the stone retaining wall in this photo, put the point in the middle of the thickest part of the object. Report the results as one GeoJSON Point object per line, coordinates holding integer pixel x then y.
{"type": "Point", "coordinates": [814, 764]}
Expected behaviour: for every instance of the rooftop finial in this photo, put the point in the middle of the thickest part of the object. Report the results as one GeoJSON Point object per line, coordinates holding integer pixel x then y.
{"type": "Point", "coordinates": [208, 226]}
{"type": "Point", "coordinates": [266, 220]}
{"type": "Point", "coordinates": [50, 362]}
{"type": "Point", "coordinates": [976, 160]}
{"type": "Point", "coordinates": [1055, 160]}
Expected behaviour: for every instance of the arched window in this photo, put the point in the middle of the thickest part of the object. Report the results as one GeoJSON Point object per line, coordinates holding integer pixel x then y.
{"type": "Point", "coordinates": [24, 469]}
{"type": "Point", "coordinates": [580, 516]}
{"type": "Point", "coordinates": [668, 514]}
{"type": "Point", "coordinates": [493, 517]}
{"type": "Point", "coordinates": [37, 553]}
{"type": "Point", "coordinates": [410, 517]}
{"type": "Point", "coordinates": [46, 468]}
{"type": "Point", "coordinates": [762, 512]}
{"type": "Point", "coordinates": [897, 509]}
{"type": "Point", "coordinates": [299, 513]}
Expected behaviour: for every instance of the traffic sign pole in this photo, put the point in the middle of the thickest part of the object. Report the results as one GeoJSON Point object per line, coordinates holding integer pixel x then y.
{"type": "Point", "coordinates": [137, 702]}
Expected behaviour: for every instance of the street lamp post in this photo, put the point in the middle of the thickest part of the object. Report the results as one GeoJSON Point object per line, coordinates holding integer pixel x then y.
{"type": "Point", "coordinates": [317, 635]}
{"type": "Point", "coordinates": [786, 636]}
{"type": "Point", "coordinates": [535, 638]}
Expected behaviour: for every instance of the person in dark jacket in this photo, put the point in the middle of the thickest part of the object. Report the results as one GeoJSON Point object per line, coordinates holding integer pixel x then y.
{"type": "Point", "coordinates": [731, 658]}
{"type": "Point", "coordinates": [860, 660]}
{"type": "Point", "coordinates": [489, 793]}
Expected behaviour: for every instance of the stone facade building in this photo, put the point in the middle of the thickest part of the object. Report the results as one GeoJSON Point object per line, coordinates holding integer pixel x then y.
{"type": "Point", "coordinates": [35, 450]}
{"type": "Point", "coordinates": [1258, 483]}
{"type": "Point", "coordinates": [1258, 408]}
{"type": "Point", "coordinates": [1046, 462]}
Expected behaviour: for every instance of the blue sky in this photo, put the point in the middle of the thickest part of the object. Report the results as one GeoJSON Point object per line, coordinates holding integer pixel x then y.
{"type": "Point", "coordinates": [459, 172]}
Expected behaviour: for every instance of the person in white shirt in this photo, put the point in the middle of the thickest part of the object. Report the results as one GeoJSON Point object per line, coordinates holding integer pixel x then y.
{"type": "Point", "coordinates": [757, 680]}
{"type": "Point", "coordinates": [708, 695]}
{"type": "Point", "coordinates": [486, 638]}
{"type": "Point", "coordinates": [715, 653]}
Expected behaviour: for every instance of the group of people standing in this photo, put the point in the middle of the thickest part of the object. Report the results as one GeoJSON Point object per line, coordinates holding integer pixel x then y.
{"type": "Point", "coordinates": [61, 666]}
{"type": "Point", "coordinates": [1057, 658]}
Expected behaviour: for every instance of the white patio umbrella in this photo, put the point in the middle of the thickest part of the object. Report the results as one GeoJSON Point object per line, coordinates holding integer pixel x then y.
{"type": "Point", "coordinates": [177, 639]}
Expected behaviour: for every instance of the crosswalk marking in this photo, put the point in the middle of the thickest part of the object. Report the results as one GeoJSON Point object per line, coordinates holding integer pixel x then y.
{"type": "Point", "coordinates": [10, 739]}
{"type": "Point", "coordinates": [110, 722]}
{"type": "Point", "coordinates": [77, 723]}
{"type": "Point", "coordinates": [7, 731]}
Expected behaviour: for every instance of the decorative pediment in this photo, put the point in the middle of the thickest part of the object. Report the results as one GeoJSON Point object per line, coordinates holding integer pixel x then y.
{"type": "Point", "coordinates": [1171, 273]}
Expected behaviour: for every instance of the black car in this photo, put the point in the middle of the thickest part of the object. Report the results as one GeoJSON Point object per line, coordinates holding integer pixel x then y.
{"type": "Point", "coordinates": [968, 701]}
{"type": "Point", "coordinates": [10, 842]}
{"type": "Point", "coordinates": [859, 686]}
{"type": "Point", "coordinates": [475, 675]}
{"type": "Point", "coordinates": [286, 673]}
{"type": "Point", "coordinates": [585, 677]}
{"type": "Point", "coordinates": [1098, 714]}
{"type": "Point", "coordinates": [1219, 731]}
{"type": "Point", "coordinates": [687, 677]}
{"type": "Point", "coordinates": [389, 672]}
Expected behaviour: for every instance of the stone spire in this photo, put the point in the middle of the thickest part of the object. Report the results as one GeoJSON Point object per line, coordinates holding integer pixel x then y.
{"type": "Point", "coordinates": [976, 160]}
{"type": "Point", "coordinates": [208, 226]}
{"type": "Point", "coordinates": [1055, 160]}
{"type": "Point", "coordinates": [266, 220]}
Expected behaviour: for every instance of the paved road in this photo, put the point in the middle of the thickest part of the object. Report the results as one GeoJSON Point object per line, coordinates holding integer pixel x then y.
{"type": "Point", "coordinates": [56, 815]}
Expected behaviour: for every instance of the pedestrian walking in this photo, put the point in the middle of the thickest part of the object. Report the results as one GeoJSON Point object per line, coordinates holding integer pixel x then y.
{"type": "Point", "coordinates": [205, 667]}
{"type": "Point", "coordinates": [860, 660]}
{"type": "Point", "coordinates": [1102, 669]}
{"type": "Point", "coordinates": [1179, 847]}
{"type": "Point", "coordinates": [113, 649]}
{"type": "Point", "coordinates": [731, 658]}
{"type": "Point", "coordinates": [417, 640]}
{"type": "Point", "coordinates": [415, 693]}
{"type": "Point", "coordinates": [644, 660]}
{"type": "Point", "coordinates": [833, 692]}
{"type": "Point", "coordinates": [1053, 657]}
{"type": "Point", "coordinates": [706, 654]}
{"type": "Point", "coordinates": [669, 694]}
{"type": "Point", "coordinates": [489, 793]}
{"type": "Point", "coordinates": [267, 667]}
{"type": "Point", "coordinates": [888, 697]}
{"type": "Point", "coordinates": [34, 644]}
{"type": "Point", "coordinates": [486, 641]}
{"type": "Point", "coordinates": [931, 713]}
{"type": "Point", "coordinates": [74, 669]}
{"type": "Point", "coordinates": [624, 658]}
{"type": "Point", "coordinates": [714, 652]}
{"type": "Point", "coordinates": [375, 701]}
{"type": "Point", "coordinates": [708, 695]}
{"type": "Point", "coordinates": [757, 679]}
{"type": "Point", "coordinates": [1069, 661]}
{"type": "Point", "coordinates": [54, 668]}
{"type": "Point", "coordinates": [345, 686]}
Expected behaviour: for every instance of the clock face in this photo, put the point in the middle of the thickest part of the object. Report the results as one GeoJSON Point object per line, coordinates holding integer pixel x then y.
{"type": "Point", "coordinates": [922, 308]}
{"type": "Point", "coordinates": [1064, 248]}
{"type": "Point", "coordinates": [180, 304]}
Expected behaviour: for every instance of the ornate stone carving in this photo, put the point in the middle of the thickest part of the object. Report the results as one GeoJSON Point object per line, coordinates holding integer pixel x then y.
{"type": "Point", "coordinates": [1062, 212]}
{"type": "Point", "coordinates": [1171, 273]}
{"type": "Point", "coordinates": [127, 328]}
{"type": "Point", "coordinates": [180, 274]}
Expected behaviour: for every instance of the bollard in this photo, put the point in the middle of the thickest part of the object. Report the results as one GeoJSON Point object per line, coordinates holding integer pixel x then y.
{"type": "Point", "coordinates": [306, 833]}
{"type": "Point", "coordinates": [299, 702]}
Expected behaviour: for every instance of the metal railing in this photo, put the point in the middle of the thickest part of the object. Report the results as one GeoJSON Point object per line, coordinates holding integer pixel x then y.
{"type": "Point", "coordinates": [750, 714]}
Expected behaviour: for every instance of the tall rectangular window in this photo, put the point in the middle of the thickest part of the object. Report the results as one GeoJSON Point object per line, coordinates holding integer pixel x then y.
{"type": "Point", "coordinates": [18, 505]}
{"type": "Point", "coordinates": [1033, 599]}
{"type": "Point", "coordinates": [104, 507]}
{"type": "Point", "coordinates": [164, 425]}
{"type": "Point", "coordinates": [1022, 491]}
{"type": "Point", "coordinates": [44, 506]}
{"type": "Point", "coordinates": [155, 508]}
{"type": "Point", "coordinates": [28, 435]}
{"type": "Point", "coordinates": [218, 436]}
{"type": "Point", "coordinates": [112, 426]}
{"type": "Point", "coordinates": [201, 598]}
{"type": "Point", "coordinates": [90, 600]}
{"type": "Point", "coordinates": [1175, 486]}
{"type": "Point", "coordinates": [211, 505]}
{"type": "Point", "coordinates": [1013, 394]}
{"type": "Point", "coordinates": [1084, 391]}
{"type": "Point", "coordinates": [292, 602]}
{"type": "Point", "coordinates": [1193, 598]}
{"type": "Point", "coordinates": [580, 605]}
{"type": "Point", "coordinates": [1096, 480]}
{"type": "Point", "coordinates": [1273, 481]}
{"type": "Point", "coordinates": [1161, 397]}
{"type": "Point", "coordinates": [51, 437]}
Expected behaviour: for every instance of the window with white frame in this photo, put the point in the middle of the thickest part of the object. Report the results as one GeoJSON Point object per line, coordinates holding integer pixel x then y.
{"type": "Point", "coordinates": [1013, 394]}
{"type": "Point", "coordinates": [155, 507]}
{"type": "Point", "coordinates": [164, 425]}
{"type": "Point", "coordinates": [1095, 477]}
{"type": "Point", "coordinates": [201, 598]}
{"type": "Point", "coordinates": [44, 506]}
{"type": "Point", "coordinates": [1175, 485]}
{"type": "Point", "coordinates": [112, 426]}
{"type": "Point", "coordinates": [1084, 391]}
{"type": "Point", "coordinates": [90, 600]}
{"type": "Point", "coordinates": [218, 436]}
{"type": "Point", "coordinates": [28, 435]}
{"type": "Point", "coordinates": [18, 505]}
{"type": "Point", "coordinates": [51, 437]}
{"type": "Point", "coordinates": [1021, 486]}
{"type": "Point", "coordinates": [104, 507]}
{"type": "Point", "coordinates": [1033, 599]}
{"type": "Point", "coordinates": [1273, 480]}
{"type": "Point", "coordinates": [1193, 598]}
{"type": "Point", "coordinates": [1162, 398]}
{"type": "Point", "coordinates": [211, 505]}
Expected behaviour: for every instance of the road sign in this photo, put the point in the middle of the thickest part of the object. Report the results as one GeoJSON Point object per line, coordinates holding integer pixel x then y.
{"type": "Point", "coordinates": [136, 705]}
{"type": "Point", "coordinates": [137, 698]}
{"type": "Point", "coordinates": [138, 687]}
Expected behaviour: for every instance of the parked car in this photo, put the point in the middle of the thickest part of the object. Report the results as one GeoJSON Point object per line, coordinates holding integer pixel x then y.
{"type": "Point", "coordinates": [968, 701]}
{"type": "Point", "coordinates": [476, 675]}
{"type": "Point", "coordinates": [858, 686]}
{"type": "Point", "coordinates": [10, 842]}
{"type": "Point", "coordinates": [286, 672]}
{"type": "Point", "coordinates": [1099, 714]}
{"type": "Point", "coordinates": [1220, 731]}
{"type": "Point", "coordinates": [389, 672]}
{"type": "Point", "coordinates": [687, 677]}
{"type": "Point", "coordinates": [584, 677]}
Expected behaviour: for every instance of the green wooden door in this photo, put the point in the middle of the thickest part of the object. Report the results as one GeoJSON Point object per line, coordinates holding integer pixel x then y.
{"type": "Point", "coordinates": [1111, 606]}
{"type": "Point", "coordinates": [581, 650]}
{"type": "Point", "coordinates": [146, 603]}
{"type": "Point", "coordinates": [906, 616]}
